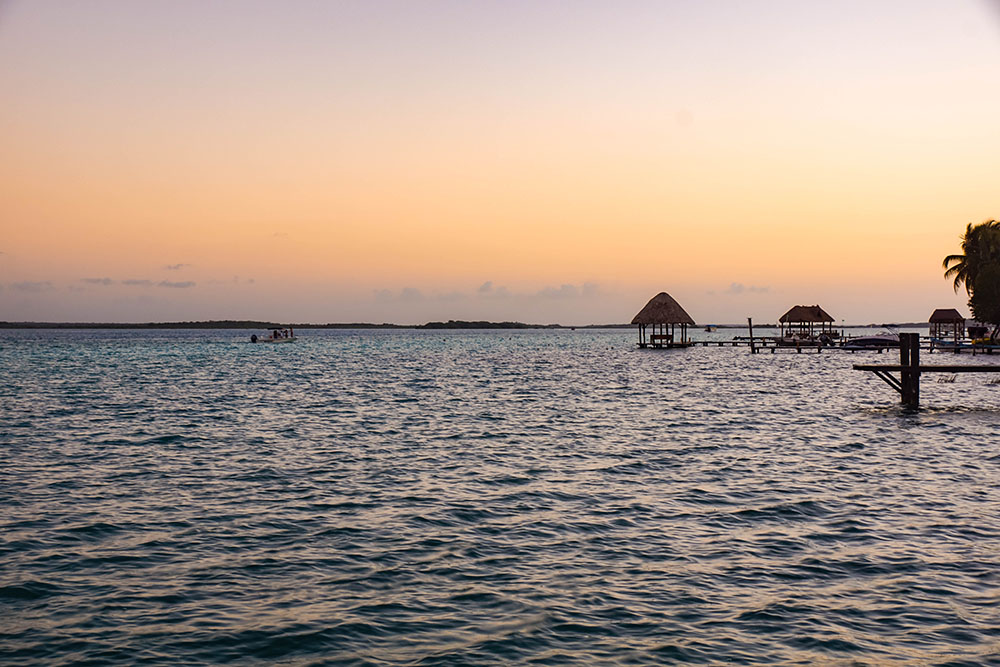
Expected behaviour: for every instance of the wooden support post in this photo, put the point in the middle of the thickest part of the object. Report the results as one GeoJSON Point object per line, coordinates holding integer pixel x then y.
{"type": "Point", "coordinates": [753, 348]}
{"type": "Point", "coordinates": [909, 374]}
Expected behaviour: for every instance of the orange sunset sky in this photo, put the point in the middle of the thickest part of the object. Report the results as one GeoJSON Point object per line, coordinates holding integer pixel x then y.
{"type": "Point", "coordinates": [542, 161]}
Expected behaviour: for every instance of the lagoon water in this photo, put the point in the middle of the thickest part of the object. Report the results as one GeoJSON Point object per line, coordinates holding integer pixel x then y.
{"type": "Point", "coordinates": [498, 497]}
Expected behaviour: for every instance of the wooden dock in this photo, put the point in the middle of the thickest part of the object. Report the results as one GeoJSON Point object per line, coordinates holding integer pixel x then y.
{"type": "Point", "coordinates": [909, 369]}
{"type": "Point", "coordinates": [769, 343]}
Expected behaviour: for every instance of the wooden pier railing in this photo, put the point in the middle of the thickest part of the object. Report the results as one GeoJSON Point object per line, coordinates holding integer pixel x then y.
{"type": "Point", "coordinates": [909, 369]}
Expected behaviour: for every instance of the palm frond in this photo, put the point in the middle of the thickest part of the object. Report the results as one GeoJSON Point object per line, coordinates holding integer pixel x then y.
{"type": "Point", "coordinates": [956, 259]}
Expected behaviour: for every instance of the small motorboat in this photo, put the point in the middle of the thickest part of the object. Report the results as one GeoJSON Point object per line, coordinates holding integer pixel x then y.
{"type": "Point", "coordinates": [711, 327]}
{"type": "Point", "coordinates": [797, 341]}
{"type": "Point", "coordinates": [879, 341]}
{"type": "Point", "coordinates": [276, 335]}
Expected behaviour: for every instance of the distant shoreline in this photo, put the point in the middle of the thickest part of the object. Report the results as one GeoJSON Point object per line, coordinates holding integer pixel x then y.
{"type": "Point", "coordinates": [451, 324]}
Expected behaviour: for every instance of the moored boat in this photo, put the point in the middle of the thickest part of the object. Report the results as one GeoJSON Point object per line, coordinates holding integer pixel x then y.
{"type": "Point", "coordinates": [276, 335]}
{"type": "Point", "coordinates": [881, 340]}
{"type": "Point", "coordinates": [797, 341]}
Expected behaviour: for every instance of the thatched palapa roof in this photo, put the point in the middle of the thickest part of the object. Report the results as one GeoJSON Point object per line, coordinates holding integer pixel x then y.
{"type": "Point", "coordinates": [806, 314]}
{"type": "Point", "coordinates": [946, 316]}
{"type": "Point", "coordinates": [662, 309]}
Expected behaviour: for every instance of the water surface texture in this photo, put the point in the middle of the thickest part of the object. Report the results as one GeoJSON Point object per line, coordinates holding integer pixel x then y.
{"type": "Point", "coordinates": [473, 498]}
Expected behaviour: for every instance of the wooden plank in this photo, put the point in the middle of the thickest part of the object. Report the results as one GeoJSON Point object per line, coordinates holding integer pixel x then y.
{"type": "Point", "coordinates": [890, 380]}
{"type": "Point", "coordinates": [994, 368]}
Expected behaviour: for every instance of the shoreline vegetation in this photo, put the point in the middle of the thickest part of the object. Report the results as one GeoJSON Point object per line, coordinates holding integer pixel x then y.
{"type": "Point", "coordinates": [450, 324]}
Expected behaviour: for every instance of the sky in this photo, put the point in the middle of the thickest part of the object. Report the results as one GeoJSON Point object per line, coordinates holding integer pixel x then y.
{"type": "Point", "coordinates": [534, 160]}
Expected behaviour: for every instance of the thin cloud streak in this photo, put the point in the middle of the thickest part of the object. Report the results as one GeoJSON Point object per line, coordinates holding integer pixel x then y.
{"type": "Point", "coordinates": [488, 290]}
{"type": "Point", "coordinates": [33, 286]}
{"type": "Point", "coordinates": [740, 288]}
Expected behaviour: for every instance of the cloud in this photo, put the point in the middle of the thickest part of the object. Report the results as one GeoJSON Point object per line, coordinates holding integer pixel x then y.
{"type": "Point", "coordinates": [406, 294]}
{"type": "Point", "coordinates": [490, 291]}
{"type": "Point", "coordinates": [175, 267]}
{"type": "Point", "coordinates": [566, 291]}
{"type": "Point", "coordinates": [414, 295]}
{"type": "Point", "coordinates": [409, 294]}
{"type": "Point", "coordinates": [562, 292]}
{"type": "Point", "coordinates": [487, 291]}
{"type": "Point", "coordinates": [178, 285]}
{"type": "Point", "coordinates": [33, 286]}
{"type": "Point", "coordinates": [97, 281]}
{"type": "Point", "coordinates": [138, 283]}
{"type": "Point", "coordinates": [740, 288]}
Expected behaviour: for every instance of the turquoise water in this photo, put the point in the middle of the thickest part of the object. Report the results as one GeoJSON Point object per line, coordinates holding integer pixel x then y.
{"type": "Point", "coordinates": [451, 498]}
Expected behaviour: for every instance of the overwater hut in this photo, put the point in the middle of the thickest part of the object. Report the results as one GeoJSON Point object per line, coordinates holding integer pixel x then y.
{"type": "Point", "coordinates": [663, 315]}
{"type": "Point", "coordinates": [806, 322]}
{"type": "Point", "coordinates": [947, 323]}
{"type": "Point", "coordinates": [975, 329]}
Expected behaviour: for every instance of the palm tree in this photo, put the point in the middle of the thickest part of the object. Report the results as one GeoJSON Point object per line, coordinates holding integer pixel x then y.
{"type": "Point", "coordinates": [980, 247]}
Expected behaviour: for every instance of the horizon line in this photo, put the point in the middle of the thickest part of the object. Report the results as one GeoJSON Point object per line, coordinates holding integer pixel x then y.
{"type": "Point", "coordinates": [456, 324]}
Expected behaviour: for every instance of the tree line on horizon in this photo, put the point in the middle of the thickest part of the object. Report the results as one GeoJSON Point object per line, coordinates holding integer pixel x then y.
{"type": "Point", "coordinates": [978, 270]}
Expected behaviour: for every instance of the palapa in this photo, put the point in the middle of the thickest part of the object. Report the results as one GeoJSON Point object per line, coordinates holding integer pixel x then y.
{"type": "Point", "coordinates": [806, 314]}
{"type": "Point", "coordinates": [662, 309]}
{"type": "Point", "coordinates": [663, 314]}
{"type": "Point", "coordinates": [946, 316]}
{"type": "Point", "coordinates": [803, 318]}
{"type": "Point", "coordinates": [946, 323]}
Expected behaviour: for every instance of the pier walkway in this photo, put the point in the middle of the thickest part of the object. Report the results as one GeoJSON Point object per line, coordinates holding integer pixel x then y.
{"type": "Point", "coordinates": [909, 369]}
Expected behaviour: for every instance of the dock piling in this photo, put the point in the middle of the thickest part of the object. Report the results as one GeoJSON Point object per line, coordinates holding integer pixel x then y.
{"type": "Point", "coordinates": [909, 374]}
{"type": "Point", "coordinates": [909, 369]}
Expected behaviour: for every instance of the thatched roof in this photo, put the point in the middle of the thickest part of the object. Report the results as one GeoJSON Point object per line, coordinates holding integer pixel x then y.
{"type": "Point", "coordinates": [946, 316]}
{"type": "Point", "coordinates": [662, 309]}
{"type": "Point", "coordinates": [806, 314]}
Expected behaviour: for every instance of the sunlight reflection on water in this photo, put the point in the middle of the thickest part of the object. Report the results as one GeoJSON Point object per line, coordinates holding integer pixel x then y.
{"type": "Point", "coordinates": [387, 497]}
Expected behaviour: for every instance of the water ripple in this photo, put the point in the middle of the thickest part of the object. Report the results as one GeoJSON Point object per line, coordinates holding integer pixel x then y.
{"type": "Point", "coordinates": [549, 497]}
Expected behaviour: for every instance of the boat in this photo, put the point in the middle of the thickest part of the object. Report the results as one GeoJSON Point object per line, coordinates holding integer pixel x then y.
{"type": "Point", "coordinates": [276, 335]}
{"type": "Point", "coordinates": [710, 327]}
{"type": "Point", "coordinates": [797, 341]}
{"type": "Point", "coordinates": [879, 341]}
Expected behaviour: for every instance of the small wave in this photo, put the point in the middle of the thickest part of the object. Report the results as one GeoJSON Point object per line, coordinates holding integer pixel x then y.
{"type": "Point", "coordinates": [29, 590]}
